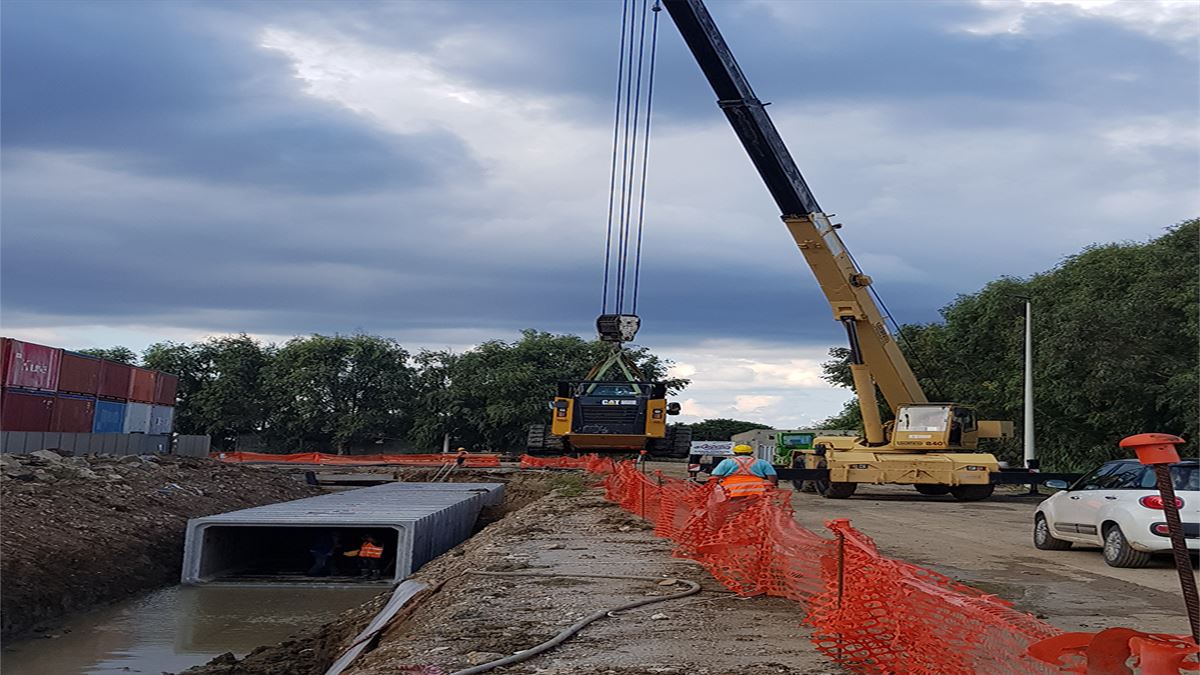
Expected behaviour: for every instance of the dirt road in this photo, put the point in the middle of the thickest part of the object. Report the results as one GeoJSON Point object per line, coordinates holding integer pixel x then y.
{"type": "Point", "coordinates": [988, 545]}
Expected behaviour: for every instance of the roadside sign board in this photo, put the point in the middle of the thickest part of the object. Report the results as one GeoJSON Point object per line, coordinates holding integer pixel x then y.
{"type": "Point", "coordinates": [713, 448]}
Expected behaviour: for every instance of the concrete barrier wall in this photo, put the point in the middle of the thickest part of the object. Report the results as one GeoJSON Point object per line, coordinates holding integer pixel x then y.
{"type": "Point", "coordinates": [25, 442]}
{"type": "Point", "coordinates": [192, 446]}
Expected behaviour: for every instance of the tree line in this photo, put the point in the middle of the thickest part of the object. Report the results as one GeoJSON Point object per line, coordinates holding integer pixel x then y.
{"type": "Point", "coordinates": [346, 392]}
{"type": "Point", "coordinates": [1116, 337]}
{"type": "Point", "coordinates": [1116, 334]}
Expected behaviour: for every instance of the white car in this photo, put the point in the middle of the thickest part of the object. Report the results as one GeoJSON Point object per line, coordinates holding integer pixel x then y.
{"type": "Point", "coordinates": [1117, 507]}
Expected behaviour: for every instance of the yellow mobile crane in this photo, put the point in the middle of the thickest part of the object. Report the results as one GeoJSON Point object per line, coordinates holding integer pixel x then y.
{"type": "Point", "coordinates": [932, 446]}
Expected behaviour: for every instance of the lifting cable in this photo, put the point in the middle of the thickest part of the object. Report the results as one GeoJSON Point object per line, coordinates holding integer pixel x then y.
{"type": "Point", "coordinates": [912, 348]}
{"type": "Point", "coordinates": [630, 151]}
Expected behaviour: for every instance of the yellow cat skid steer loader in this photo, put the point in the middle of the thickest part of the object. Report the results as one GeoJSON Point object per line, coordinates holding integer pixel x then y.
{"type": "Point", "coordinates": [614, 408]}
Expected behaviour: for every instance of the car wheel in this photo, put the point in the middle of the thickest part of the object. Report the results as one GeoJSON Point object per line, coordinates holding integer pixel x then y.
{"type": "Point", "coordinates": [1042, 538]}
{"type": "Point", "coordinates": [932, 490]}
{"type": "Point", "coordinates": [1118, 552]}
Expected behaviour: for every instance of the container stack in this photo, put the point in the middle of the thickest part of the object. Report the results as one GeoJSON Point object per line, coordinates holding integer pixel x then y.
{"type": "Point", "coordinates": [49, 389]}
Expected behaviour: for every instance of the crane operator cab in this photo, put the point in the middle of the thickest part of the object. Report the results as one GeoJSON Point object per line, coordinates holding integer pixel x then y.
{"type": "Point", "coordinates": [935, 426]}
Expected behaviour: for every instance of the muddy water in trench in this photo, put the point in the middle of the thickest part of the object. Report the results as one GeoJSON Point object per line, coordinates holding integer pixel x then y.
{"type": "Point", "coordinates": [176, 628]}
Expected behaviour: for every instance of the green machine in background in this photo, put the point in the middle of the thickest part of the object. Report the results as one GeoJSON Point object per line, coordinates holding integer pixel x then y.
{"type": "Point", "coordinates": [788, 442]}
{"type": "Point", "coordinates": [781, 446]}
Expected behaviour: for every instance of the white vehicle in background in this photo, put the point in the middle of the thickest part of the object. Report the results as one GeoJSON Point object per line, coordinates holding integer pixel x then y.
{"type": "Point", "coordinates": [1118, 508]}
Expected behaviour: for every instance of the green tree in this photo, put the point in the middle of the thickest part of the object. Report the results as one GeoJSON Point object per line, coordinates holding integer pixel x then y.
{"type": "Point", "coordinates": [119, 354]}
{"type": "Point", "coordinates": [339, 390]}
{"type": "Point", "coordinates": [436, 412]}
{"type": "Point", "coordinates": [183, 360]}
{"type": "Point", "coordinates": [1115, 349]}
{"type": "Point", "coordinates": [492, 393]}
{"type": "Point", "coordinates": [722, 429]}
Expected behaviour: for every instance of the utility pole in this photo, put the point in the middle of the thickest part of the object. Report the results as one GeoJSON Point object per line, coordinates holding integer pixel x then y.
{"type": "Point", "coordinates": [1031, 461]}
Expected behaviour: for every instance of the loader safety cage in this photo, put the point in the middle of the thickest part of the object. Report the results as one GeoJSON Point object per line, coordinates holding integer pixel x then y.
{"type": "Point", "coordinates": [572, 388]}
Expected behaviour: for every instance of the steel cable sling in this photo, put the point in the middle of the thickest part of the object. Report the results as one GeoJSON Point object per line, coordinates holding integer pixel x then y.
{"type": "Point", "coordinates": [630, 153]}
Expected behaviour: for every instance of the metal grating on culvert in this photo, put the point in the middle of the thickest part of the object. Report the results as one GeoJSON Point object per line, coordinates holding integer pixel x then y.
{"type": "Point", "coordinates": [417, 521]}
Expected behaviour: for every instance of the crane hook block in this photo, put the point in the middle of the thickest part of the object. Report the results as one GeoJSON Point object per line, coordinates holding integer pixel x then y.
{"type": "Point", "coordinates": [618, 327]}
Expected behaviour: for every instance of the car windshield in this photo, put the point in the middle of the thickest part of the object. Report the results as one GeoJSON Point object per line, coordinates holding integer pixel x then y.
{"type": "Point", "coordinates": [1183, 476]}
{"type": "Point", "coordinates": [922, 418]}
{"type": "Point", "coordinates": [1134, 476]}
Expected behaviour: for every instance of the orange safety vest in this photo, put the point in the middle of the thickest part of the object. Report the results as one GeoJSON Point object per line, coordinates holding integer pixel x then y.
{"type": "Point", "coordinates": [370, 551]}
{"type": "Point", "coordinates": [743, 482]}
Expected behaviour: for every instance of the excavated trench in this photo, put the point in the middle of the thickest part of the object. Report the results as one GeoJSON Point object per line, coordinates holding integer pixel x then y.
{"type": "Point", "coordinates": [182, 626]}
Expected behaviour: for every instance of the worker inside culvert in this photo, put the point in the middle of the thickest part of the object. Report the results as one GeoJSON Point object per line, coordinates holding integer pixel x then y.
{"type": "Point", "coordinates": [744, 475]}
{"type": "Point", "coordinates": [323, 552]}
{"type": "Point", "coordinates": [370, 554]}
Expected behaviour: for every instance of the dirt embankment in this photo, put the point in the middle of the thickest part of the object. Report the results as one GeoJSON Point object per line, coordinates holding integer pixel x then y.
{"type": "Point", "coordinates": [476, 618]}
{"type": "Point", "coordinates": [81, 531]}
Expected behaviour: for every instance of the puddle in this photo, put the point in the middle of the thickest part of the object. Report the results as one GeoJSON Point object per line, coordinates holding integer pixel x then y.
{"type": "Point", "coordinates": [176, 628]}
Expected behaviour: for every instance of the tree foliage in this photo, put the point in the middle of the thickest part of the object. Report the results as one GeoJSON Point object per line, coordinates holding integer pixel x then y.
{"type": "Point", "coordinates": [722, 429]}
{"type": "Point", "coordinates": [336, 392]}
{"type": "Point", "coordinates": [1115, 349]}
{"type": "Point", "coordinates": [119, 354]}
{"type": "Point", "coordinates": [221, 384]}
{"type": "Point", "coordinates": [488, 396]}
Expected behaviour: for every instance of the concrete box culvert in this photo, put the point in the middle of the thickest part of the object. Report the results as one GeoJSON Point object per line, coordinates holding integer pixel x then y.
{"type": "Point", "coordinates": [414, 522]}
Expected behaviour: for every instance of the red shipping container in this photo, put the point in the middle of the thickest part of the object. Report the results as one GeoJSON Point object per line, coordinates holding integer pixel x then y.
{"type": "Point", "coordinates": [166, 386]}
{"type": "Point", "coordinates": [114, 380]}
{"type": "Point", "coordinates": [25, 411]}
{"type": "Point", "coordinates": [79, 374]}
{"type": "Point", "coordinates": [73, 414]}
{"type": "Point", "coordinates": [141, 385]}
{"type": "Point", "coordinates": [30, 366]}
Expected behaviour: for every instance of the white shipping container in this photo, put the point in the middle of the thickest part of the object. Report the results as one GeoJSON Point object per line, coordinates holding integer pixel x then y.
{"type": "Point", "coordinates": [162, 419]}
{"type": "Point", "coordinates": [137, 418]}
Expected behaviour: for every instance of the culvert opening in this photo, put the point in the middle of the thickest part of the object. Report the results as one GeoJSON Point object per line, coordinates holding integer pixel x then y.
{"type": "Point", "coordinates": [270, 554]}
{"type": "Point", "coordinates": [306, 541]}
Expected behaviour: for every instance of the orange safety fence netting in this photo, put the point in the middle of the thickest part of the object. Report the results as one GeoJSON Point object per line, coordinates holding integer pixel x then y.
{"type": "Point", "coordinates": [473, 461]}
{"type": "Point", "coordinates": [590, 463]}
{"type": "Point", "coordinates": [868, 612]}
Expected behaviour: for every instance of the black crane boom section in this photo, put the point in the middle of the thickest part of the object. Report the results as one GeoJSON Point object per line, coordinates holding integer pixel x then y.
{"type": "Point", "coordinates": [745, 112]}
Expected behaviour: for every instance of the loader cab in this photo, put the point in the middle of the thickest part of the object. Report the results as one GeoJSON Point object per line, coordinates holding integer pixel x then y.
{"type": "Point", "coordinates": [935, 426]}
{"type": "Point", "coordinates": [610, 409]}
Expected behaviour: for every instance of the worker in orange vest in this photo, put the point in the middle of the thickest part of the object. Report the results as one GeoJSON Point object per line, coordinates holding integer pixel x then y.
{"type": "Point", "coordinates": [743, 475]}
{"type": "Point", "coordinates": [370, 554]}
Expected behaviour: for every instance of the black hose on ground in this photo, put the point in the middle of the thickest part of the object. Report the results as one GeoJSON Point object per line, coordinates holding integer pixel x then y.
{"type": "Point", "coordinates": [574, 628]}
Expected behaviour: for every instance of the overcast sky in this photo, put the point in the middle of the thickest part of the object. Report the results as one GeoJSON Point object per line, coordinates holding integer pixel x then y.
{"type": "Point", "coordinates": [438, 171]}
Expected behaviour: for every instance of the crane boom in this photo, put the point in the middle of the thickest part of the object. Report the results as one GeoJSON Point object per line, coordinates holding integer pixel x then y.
{"type": "Point", "coordinates": [876, 360]}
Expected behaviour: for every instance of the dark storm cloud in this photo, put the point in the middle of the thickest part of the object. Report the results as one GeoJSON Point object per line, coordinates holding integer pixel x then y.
{"type": "Point", "coordinates": [817, 52]}
{"type": "Point", "coordinates": [162, 168]}
{"type": "Point", "coordinates": [165, 89]}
